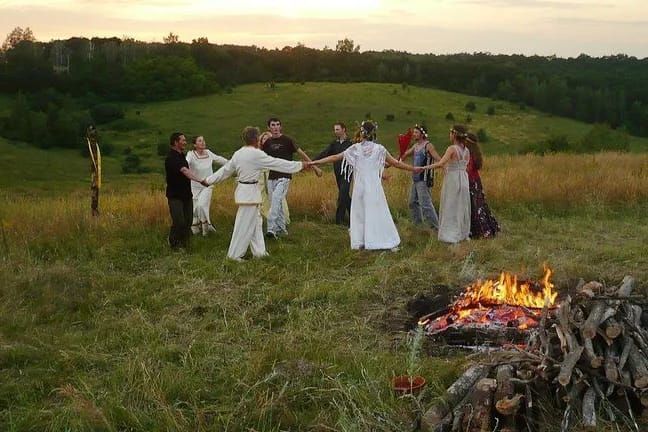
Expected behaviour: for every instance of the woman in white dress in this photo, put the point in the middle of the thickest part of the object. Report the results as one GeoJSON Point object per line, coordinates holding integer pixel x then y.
{"type": "Point", "coordinates": [201, 161]}
{"type": "Point", "coordinates": [454, 209]}
{"type": "Point", "coordinates": [372, 226]}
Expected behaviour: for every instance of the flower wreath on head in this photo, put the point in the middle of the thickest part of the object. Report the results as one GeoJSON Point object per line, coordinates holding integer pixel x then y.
{"type": "Point", "coordinates": [422, 129]}
{"type": "Point", "coordinates": [367, 129]}
{"type": "Point", "coordinates": [458, 133]}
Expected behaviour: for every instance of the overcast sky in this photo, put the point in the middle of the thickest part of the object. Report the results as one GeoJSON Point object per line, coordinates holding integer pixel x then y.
{"type": "Point", "coordinates": [545, 27]}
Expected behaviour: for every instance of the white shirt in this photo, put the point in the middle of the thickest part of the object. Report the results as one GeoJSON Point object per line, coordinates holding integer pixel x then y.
{"type": "Point", "coordinates": [247, 163]}
{"type": "Point", "coordinates": [201, 166]}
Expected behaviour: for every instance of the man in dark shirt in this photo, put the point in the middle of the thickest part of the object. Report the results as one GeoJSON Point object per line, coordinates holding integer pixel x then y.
{"type": "Point", "coordinates": [178, 191]}
{"type": "Point", "coordinates": [282, 147]}
{"type": "Point", "coordinates": [338, 145]}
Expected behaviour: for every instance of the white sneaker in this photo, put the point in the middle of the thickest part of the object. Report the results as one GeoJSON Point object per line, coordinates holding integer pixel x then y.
{"type": "Point", "coordinates": [195, 229]}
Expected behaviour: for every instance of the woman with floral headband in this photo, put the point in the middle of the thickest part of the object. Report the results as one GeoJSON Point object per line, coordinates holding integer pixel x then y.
{"type": "Point", "coordinates": [420, 198]}
{"type": "Point", "coordinates": [482, 222]}
{"type": "Point", "coordinates": [372, 226]}
{"type": "Point", "coordinates": [454, 209]}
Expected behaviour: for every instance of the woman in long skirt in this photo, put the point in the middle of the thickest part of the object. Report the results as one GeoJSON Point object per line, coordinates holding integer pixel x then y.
{"type": "Point", "coordinates": [482, 222]}
{"type": "Point", "coordinates": [454, 208]}
{"type": "Point", "coordinates": [201, 161]}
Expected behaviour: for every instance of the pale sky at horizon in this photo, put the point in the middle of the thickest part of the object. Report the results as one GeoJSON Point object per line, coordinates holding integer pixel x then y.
{"type": "Point", "coordinates": [544, 27]}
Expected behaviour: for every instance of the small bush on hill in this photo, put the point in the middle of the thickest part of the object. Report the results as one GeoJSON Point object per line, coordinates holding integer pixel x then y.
{"type": "Point", "coordinates": [470, 106]}
{"type": "Point", "coordinates": [106, 112]}
{"type": "Point", "coordinates": [603, 137]}
{"type": "Point", "coordinates": [482, 135]}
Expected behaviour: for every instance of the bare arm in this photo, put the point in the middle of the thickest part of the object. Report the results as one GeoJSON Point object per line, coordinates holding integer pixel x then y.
{"type": "Point", "coordinates": [432, 151]}
{"type": "Point", "coordinates": [407, 153]}
{"type": "Point", "coordinates": [329, 159]}
{"type": "Point", "coordinates": [444, 160]}
{"type": "Point", "coordinates": [402, 165]}
{"type": "Point", "coordinates": [190, 175]}
{"type": "Point", "coordinates": [305, 157]}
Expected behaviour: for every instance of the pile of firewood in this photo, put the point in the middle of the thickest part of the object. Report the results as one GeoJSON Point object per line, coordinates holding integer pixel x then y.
{"type": "Point", "coordinates": [589, 355]}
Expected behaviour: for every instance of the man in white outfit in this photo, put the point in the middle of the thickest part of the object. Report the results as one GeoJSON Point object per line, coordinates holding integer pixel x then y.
{"type": "Point", "coordinates": [247, 163]}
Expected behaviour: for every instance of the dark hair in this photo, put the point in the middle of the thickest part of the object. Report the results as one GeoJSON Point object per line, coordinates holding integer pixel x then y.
{"type": "Point", "coordinates": [472, 143]}
{"type": "Point", "coordinates": [422, 129]}
{"type": "Point", "coordinates": [368, 129]}
{"type": "Point", "coordinates": [460, 132]}
{"type": "Point", "coordinates": [273, 119]}
{"type": "Point", "coordinates": [175, 137]}
{"type": "Point", "coordinates": [195, 138]}
{"type": "Point", "coordinates": [342, 125]}
{"type": "Point", "coordinates": [250, 135]}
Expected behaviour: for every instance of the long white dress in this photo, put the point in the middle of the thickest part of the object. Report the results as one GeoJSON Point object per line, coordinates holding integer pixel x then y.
{"type": "Point", "coordinates": [372, 226]}
{"type": "Point", "coordinates": [454, 209]}
{"type": "Point", "coordinates": [202, 167]}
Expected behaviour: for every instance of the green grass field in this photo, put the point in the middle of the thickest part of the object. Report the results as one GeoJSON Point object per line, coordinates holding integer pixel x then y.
{"type": "Point", "coordinates": [102, 328]}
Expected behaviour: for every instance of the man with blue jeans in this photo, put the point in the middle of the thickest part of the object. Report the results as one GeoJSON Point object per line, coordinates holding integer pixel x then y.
{"type": "Point", "coordinates": [420, 199]}
{"type": "Point", "coordinates": [282, 147]}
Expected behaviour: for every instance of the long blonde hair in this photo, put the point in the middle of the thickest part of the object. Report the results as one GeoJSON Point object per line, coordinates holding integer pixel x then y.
{"type": "Point", "coordinates": [262, 136]}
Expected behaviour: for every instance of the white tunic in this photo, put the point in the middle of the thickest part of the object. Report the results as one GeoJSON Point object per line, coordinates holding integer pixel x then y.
{"type": "Point", "coordinates": [372, 226]}
{"type": "Point", "coordinates": [202, 166]}
{"type": "Point", "coordinates": [247, 163]}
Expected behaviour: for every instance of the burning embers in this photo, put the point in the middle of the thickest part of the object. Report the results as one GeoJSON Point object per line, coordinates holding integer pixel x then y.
{"type": "Point", "coordinates": [496, 305]}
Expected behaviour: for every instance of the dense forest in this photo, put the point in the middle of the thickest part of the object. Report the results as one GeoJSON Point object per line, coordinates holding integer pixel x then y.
{"type": "Point", "coordinates": [62, 84]}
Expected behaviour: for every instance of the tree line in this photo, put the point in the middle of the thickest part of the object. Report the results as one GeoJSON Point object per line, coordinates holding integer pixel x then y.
{"type": "Point", "coordinates": [80, 73]}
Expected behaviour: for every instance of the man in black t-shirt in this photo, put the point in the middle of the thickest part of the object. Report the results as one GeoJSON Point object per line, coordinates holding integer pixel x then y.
{"type": "Point", "coordinates": [178, 191]}
{"type": "Point", "coordinates": [282, 147]}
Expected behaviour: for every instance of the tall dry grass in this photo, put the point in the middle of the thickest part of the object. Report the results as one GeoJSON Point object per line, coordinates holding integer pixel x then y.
{"type": "Point", "coordinates": [562, 179]}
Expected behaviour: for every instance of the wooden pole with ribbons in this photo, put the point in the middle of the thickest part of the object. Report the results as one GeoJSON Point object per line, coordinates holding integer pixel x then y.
{"type": "Point", "coordinates": [95, 168]}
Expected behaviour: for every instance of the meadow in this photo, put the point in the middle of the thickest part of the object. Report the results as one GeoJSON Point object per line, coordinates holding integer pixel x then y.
{"type": "Point", "coordinates": [102, 328]}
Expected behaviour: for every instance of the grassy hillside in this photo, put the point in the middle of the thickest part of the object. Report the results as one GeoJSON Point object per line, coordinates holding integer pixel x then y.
{"type": "Point", "coordinates": [102, 328]}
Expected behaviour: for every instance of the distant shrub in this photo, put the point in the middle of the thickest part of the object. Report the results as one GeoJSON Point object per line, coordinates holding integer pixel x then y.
{"type": "Point", "coordinates": [106, 112]}
{"type": "Point", "coordinates": [390, 117]}
{"type": "Point", "coordinates": [449, 116]}
{"type": "Point", "coordinates": [367, 116]}
{"type": "Point", "coordinates": [125, 125]}
{"type": "Point", "coordinates": [127, 150]}
{"type": "Point", "coordinates": [482, 135]}
{"type": "Point", "coordinates": [132, 164]}
{"type": "Point", "coordinates": [603, 137]}
{"type": "Point", "coordinates": [162, 148]}
{"type": "Point", "coordinates": [553, 144]}
{"type": "Point", "coordinates": [522, 106]}
{"type": "Point", "coordinates": [470, 106]}
{"type": "Point", "coordinates": [469, 119]}
{"type": "Point", "coordinates": [490, 110]}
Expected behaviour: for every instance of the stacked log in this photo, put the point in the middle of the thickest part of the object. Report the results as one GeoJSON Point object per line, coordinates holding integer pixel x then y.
{"type": "Point", "coordinates": [591, 352]}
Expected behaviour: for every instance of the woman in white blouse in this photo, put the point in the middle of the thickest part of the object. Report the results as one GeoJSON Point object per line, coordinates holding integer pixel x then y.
{"type": "Point", "coordinates": [201, 161]}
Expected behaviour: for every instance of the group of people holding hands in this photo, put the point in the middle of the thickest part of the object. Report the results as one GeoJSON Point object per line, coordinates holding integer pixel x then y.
{"type": "Point", "coordinates": [264, 165]}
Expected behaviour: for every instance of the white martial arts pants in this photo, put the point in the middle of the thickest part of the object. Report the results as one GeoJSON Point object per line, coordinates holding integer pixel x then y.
{"type": "Point", "coordinates": [248, 232]}
{"type": "Point", "coordinates": [277, 191]}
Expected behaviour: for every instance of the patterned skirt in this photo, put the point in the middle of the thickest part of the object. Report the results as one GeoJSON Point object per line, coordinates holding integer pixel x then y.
{"type": "Point", "coordinates": [482, 222]}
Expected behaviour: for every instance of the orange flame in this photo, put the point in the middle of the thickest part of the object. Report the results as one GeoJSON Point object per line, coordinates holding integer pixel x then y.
{"type": "Point", "coordinates": [506, 301]}
{"type": "Point", "coordinates": [507, 290]}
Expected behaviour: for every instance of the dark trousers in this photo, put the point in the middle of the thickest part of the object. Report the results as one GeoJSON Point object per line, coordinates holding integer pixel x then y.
{"type": "Point", "coordinates": [343, 201]}
{"type": "Point", "coordinates": [181, 218]}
